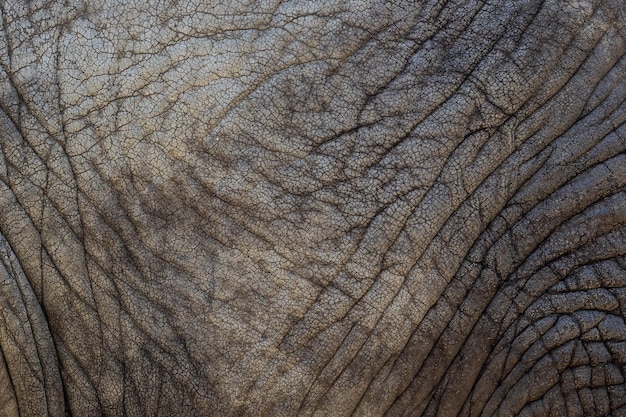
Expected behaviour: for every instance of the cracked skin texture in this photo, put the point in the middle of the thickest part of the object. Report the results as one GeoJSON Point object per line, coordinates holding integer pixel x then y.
{"type": "Point", "coordinates": [312, 208]}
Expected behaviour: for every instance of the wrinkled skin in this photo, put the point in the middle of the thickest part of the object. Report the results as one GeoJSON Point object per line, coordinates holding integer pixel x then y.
{"type": "Point", "coordinates": [313, 208]}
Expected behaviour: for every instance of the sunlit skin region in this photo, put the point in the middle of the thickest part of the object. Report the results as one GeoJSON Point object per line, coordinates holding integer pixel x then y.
{"type": "Point", "coordinates": [329, 208]}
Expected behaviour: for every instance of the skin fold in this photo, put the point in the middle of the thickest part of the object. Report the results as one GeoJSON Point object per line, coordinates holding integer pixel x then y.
{"type": "Point", "coordinates": [293, 208]}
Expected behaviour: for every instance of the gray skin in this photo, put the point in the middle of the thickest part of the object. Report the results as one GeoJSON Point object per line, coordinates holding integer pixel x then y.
{"type": "Point", "coordinates": [312, 208]}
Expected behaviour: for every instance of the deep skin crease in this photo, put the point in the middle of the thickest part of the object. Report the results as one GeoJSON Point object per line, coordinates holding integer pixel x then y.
{"type": "Point", "coordinates": [291, 208]}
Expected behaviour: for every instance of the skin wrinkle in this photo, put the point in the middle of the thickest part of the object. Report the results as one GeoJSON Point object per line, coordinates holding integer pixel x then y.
{"type": "Point", "coordinates": [9, 406]}
{"type": "Point", "coordinates": [27, 330]}
{"type": "Point", "coordinates": [562, 371]}
{"type": "Point", "coordinates": [269, 200]}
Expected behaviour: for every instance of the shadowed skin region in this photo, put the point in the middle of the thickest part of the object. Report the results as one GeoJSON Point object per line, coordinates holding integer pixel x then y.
{"type": "Point", "coordinates": [330, 208]}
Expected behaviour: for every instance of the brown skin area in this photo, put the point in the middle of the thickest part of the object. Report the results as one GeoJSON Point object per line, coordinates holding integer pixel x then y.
{"type": "Point", "coordinates": [313, 209]}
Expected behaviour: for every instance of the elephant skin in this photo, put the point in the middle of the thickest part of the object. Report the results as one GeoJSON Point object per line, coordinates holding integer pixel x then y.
{"type": "Point", "coordinates": [294, 208]}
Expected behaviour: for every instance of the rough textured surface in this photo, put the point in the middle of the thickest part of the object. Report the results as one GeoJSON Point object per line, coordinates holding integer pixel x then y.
{"type": "Point", "coordinates": [313, 208]}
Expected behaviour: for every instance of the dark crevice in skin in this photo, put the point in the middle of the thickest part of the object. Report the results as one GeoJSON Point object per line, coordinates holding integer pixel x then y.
{"type": "Point", "coordinates": [534, 249]}
{"type": "Point", "coordinates": [468, 79]}
{"type": "Point", "coordinates": [22, 103]}
{"type": "Point", "coordinates": [620, 64]}
{"type": "Point", "coordinates": [502, 331]}
{"type": "Point", "coordinates": [415, 124]}
{"type": "Point", "coordinates": [35, 334]}
{"type": "Point", "coordinates": [581, 157]}
{"type": "Point", "coordinates": [370, 97]}
{"type": "Point", "coordinates": [16, 123]}
{"type": "Point", "coordinates": [72, 370]}
{"type": "Point", "coordinates": [52, 259]}
{"type": "Point", "coordinates": [443, 169]}
{"type": "Point", "coordinates": [615, 131]}
{"type": "Point", "coordinates": [66, 403]}
{"type": "Point", "coordinates": [74, 172]}
{"type": "Point", "coordinates": [559, 276]}
{"type": "Point", "coordinates": [409, 340]}
{"type": "Point", "coordinates": [305, 399]}
{"type": "Point", "coordinates": [468, 333]}
{"type": "Point", "coordinates": [39, 353]}
{"type": "Point", "coordinates": [41, 292]}
{"type": "Point", "coordinates": [267, 80]}
{"type": "Point", "coordinates": [549, 349]}
{"type": "Point", "coordinates": [563, 221]}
